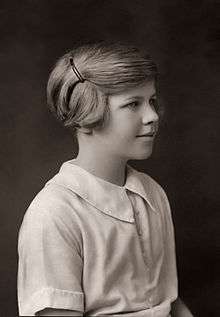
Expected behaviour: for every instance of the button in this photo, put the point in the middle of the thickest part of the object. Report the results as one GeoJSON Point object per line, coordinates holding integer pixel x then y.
{"type": "Point", "coordinates": [137, 212]}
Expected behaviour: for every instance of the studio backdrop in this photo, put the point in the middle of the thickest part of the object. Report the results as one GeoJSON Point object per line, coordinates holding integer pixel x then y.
{"type": "Point", "coordinates": [182, 37]}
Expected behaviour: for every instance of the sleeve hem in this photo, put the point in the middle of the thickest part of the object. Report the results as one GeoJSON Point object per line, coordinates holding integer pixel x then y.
{"type": "Point", "coordinates": [53, 298]}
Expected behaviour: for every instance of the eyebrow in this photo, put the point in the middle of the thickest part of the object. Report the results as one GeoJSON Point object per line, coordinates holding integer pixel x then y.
{"type": "Point", "coordinates": [139, 98]}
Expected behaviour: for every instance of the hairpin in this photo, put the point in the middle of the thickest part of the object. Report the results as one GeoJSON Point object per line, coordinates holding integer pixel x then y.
{"type": "Point", "coordinates": [77, 73]}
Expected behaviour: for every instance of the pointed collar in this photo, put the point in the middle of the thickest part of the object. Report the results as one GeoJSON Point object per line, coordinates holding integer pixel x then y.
{"type": "Point", "coordinates": [107, 197]}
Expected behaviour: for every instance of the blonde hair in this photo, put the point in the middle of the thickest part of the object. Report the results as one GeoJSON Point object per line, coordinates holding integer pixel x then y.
{"type": "Point", "coordinates": [106, 68]}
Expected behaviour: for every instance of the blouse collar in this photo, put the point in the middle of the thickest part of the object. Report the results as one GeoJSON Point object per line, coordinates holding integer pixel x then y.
{"type": "Point", "coordinates": [107, 197]}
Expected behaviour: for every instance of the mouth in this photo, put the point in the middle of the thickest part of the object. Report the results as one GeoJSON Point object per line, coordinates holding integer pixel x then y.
{"type": "Point", "coordinates": [150, 134]}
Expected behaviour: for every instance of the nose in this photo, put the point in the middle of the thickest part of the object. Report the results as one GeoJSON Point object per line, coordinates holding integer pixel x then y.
{"type": "Point", "coordinates": [149, 115]}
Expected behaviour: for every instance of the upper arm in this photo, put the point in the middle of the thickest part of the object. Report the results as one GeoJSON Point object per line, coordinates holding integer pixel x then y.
{"type": "Point", "coordinates": [50, 264]}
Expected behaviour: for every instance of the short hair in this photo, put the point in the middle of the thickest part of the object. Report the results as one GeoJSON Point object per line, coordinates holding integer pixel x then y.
{"type": "Point", "coordinates": [107, 68]}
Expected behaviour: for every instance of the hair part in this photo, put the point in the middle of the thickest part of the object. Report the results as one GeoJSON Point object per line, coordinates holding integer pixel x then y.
{"type": "Point", "coordinates": [107, 68]}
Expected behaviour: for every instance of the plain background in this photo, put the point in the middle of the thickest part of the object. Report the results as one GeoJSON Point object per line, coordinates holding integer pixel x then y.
{"type": "Point", "coordinates": [183, 38]}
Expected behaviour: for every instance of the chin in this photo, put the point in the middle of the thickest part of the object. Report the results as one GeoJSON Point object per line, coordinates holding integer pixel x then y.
{"type": "Point", "coordinates": [142, 155]}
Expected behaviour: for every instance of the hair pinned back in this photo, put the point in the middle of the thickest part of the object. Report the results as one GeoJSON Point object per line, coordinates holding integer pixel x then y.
{"type": "Point", "coordinates": [75, 70]}
{"type": "Point", "coordinates": [79, 95]}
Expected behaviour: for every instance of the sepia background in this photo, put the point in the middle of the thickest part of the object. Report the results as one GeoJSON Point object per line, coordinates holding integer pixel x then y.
{"type": "Point", "coordinates": [183, 38]}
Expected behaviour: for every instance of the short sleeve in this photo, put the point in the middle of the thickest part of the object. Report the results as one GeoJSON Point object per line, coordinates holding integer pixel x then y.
{"type": "Point", "coordinates": [50, 263]}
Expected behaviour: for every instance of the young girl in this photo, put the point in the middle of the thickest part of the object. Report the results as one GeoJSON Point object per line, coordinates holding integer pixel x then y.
{"type": "Point", "coordinates": [98, 239]}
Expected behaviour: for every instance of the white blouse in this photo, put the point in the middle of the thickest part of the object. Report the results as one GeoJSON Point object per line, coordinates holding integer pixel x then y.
{"type": "Point", "coordinates": [89, 245]}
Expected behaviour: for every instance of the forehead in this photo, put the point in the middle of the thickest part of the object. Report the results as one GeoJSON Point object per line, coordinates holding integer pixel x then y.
{"type": "Point", "coordinates": [144, 90]}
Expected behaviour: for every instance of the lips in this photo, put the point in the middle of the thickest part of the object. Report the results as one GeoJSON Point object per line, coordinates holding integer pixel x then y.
{"type": "Point", "coordinates": [149, 134]}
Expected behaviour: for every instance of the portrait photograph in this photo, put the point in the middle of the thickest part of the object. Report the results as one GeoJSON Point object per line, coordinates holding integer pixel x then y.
{"type": "Point", "coordinates": [110, 158]}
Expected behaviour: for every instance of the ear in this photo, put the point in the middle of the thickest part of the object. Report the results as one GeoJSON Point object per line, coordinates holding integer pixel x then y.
{"type": "Point", "coordinates": [84, 130]}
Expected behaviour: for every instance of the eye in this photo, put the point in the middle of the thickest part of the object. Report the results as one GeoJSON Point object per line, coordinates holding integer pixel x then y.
{"type": "Point", "coordinates": [132, 105]}
{"type": "Point", "coordinates": [154, 103]}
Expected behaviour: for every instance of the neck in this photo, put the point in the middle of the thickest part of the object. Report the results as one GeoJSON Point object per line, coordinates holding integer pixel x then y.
{"type": "Point", "coordinates": [103, 166]}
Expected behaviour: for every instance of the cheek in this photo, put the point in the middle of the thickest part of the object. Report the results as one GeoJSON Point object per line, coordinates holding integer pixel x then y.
{"type": "Point", "coordinates": [129, 123]}
{"type": "Point", "coordinates": [123, 128]}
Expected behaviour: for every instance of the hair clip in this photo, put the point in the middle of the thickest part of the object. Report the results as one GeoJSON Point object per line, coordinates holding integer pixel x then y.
{"type": "Point", "coordinates": [77, 73]}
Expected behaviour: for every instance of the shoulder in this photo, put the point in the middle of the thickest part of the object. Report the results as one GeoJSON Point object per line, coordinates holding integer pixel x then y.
{"type": "Point", "coordinates": [54, 197]}
{"type": "Point", "coordinates": [149, 183]}
{"type": "Point", "coordinates": [152, 191]}
{"type": "Point", "coordinates": [52, 209]}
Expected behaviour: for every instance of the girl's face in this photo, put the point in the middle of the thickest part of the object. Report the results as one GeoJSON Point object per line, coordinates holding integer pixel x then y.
{"type": "Point", "coordinates": [130, 131]}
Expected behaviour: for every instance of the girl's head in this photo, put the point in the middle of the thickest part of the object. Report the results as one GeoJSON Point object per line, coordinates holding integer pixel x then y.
{"type": "Point", "coordinates": [107, 69]}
